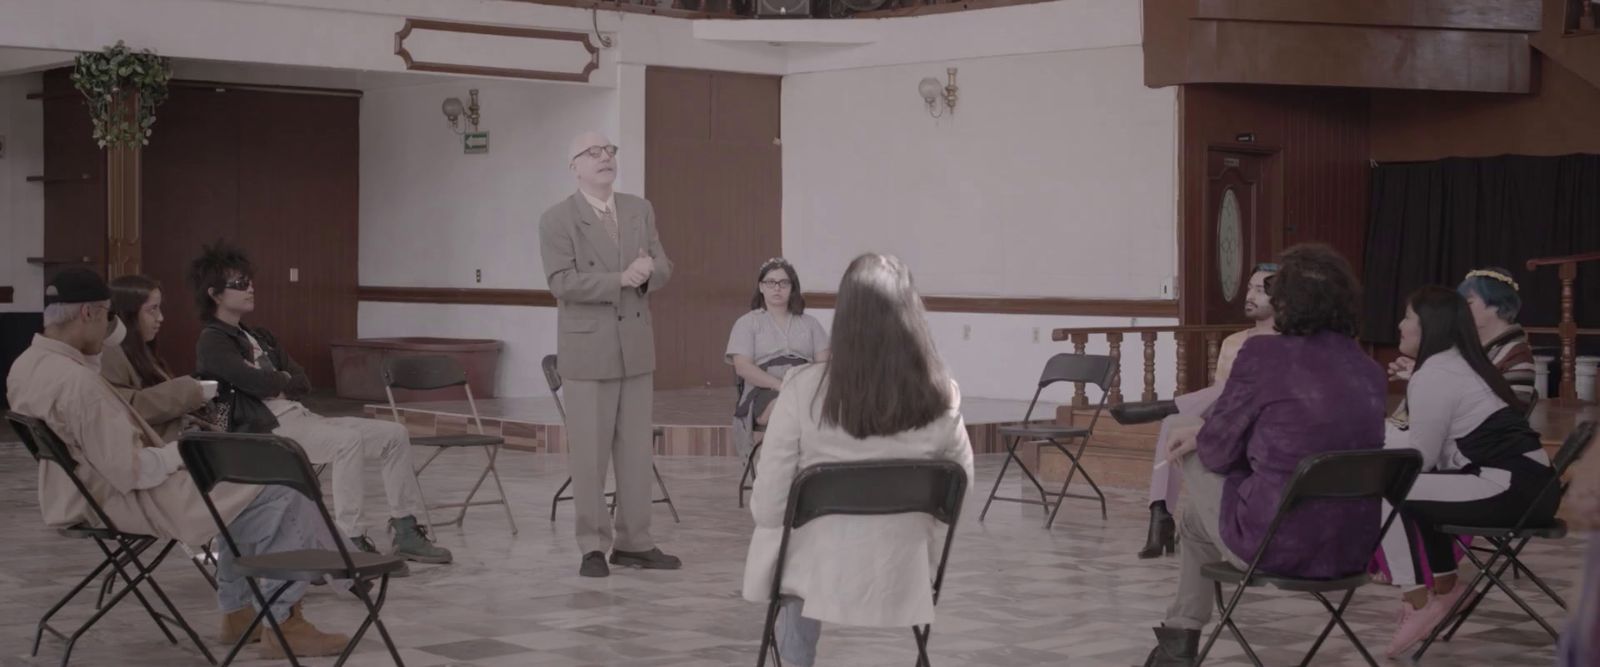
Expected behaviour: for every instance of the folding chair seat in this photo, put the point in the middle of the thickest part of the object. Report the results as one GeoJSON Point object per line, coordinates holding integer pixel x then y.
{"type": "Point", "coordinates": [120, 550]}
{"type": "Point", "coordinates": [552, 376]}
{"type": "Point", "coordinates": [1351, 475]}
{"type": "Point", "coordinates": [265, 459]}
{"type": "Point", "coordinates": [869, 488]}
{"type": "Point", "coordinates": [424, 373]}
{"type": "Point", "coordinates": [1505, 550]}
{"type": "Point", "coordinates": [1076, 368]}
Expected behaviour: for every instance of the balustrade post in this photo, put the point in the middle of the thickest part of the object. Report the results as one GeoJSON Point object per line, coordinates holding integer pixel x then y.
{"type": "Point", "coordinates": [1149, 338]}
{"type": "Point", "coordinates": [1079, 398]}
{"type": "Point", "coordinates": [1114, 340]}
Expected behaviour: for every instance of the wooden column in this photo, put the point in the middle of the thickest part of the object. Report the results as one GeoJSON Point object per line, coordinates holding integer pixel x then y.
{"type": "Point", "coordinates": [122, 205]}
{"type": "Point", "coordinates": [1569, 338]}
{"type": "Point", "coordinates": [1149, 338]}
{"type": "Point", "coordinates": [1183, 365]}
{"type": "Point", "coordinates": [1212, 348]}
{"type": "Point", "coordinates": [1079, 399]}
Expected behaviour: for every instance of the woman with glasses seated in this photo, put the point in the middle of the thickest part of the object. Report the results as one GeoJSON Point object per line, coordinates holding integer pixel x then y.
{"type": "Point", "coordinates": [775, 336]}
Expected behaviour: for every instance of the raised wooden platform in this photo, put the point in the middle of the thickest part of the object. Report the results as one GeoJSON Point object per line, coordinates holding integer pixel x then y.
{"type": "Point", "coordinates": [696, 422]}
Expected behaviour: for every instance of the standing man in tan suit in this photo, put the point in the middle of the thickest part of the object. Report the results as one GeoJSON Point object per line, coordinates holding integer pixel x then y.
{"type": "Point", "coordinates": [603, 259]}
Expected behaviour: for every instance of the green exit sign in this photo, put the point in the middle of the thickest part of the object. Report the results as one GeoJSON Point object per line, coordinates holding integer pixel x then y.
{"type": "Point", "coordinates": [475, 142]}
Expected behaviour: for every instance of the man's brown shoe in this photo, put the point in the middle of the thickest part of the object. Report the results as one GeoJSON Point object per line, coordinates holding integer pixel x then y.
{"type": "Point", "coordinates": [234, 622]}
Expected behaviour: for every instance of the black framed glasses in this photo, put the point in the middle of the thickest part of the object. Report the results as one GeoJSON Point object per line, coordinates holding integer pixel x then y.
{"type": "Point", "coordinates": [782, 283]}
{"type": "Point", "coordinates": [596, 151]}
{"type": "Point", "coordinates": [241, 284]}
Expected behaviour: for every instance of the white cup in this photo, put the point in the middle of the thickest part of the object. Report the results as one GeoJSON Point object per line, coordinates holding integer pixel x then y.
{"type": "Point", "coordinates": [208, 389]}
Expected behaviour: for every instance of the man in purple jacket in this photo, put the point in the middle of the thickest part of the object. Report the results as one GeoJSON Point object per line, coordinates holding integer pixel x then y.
{"type": "Point", "coordinates": [1309, 390]}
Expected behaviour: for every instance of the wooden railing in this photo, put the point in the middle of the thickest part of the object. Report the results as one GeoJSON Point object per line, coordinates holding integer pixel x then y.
{"type": "Point", "coordinates": [1567, 330]}
{"type": "Point", "coordinates": [1184, 336]}
{"type": "Point", "coordinates": [700, 9]}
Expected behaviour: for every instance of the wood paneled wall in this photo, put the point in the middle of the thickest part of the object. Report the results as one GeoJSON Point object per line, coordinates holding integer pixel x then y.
{"type": "Point", "coordinates": [277, 175]}
{"type": "Point", "coordinates": [1318, 138]}
{"type": "Point", "coordinates": [713, 170]}
{"type": "Point", "coordinates": [74, 179]}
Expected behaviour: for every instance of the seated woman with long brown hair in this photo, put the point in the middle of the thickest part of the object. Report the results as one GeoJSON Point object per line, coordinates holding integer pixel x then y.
{"type": "Point", "coordinates": [884, 394]}
{"type": "Point", "coordinates": [135, 370]}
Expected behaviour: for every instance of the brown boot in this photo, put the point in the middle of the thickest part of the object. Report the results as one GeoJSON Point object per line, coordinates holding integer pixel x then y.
{"type": "Point", "coordinates": [234, 622]}
{"type": "Point", "coordinates": [305, 639]}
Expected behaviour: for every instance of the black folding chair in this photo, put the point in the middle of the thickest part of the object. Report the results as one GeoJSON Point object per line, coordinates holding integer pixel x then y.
{"type": "Point", "coordinates": [552, 377]}
{"type": "Point", "coordinates": [869, 488]}
{"type": "Point", "coordinates": [1065, 367]}
{"type": "Point", "coordinates": [425, 373]}
{"type": "Point", "coordinates": [1335, 476]}
{"type": "Point", "coordinates": [120, 550]}
{"type": "Point", "coordinates": [1507, 544]}
{"type": "Point", "coordinates": [271, 460]}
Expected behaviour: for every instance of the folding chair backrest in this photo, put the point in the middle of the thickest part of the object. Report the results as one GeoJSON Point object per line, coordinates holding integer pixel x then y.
{"type": "Point", "coordinates": [1374, 474]}
{"type": "Point", "coordinates": [1363, 474]}
{"type": "Point", "coordinates": [46, 446]}
{"type": "Point", "coordinates": [1094, 369]}
{"type": "Point", "coordinates": [253, 458]}
{"type": "Point", "coordinates": [248, 458]}
{"type": "Point", "coordinates": [423, 373]}
{"type": "Point", "coordinates": [934, 488]}
{"type": "Point", "coordinates": [552, 377]}
{"type": "Point", "coordinates": [41, 442]}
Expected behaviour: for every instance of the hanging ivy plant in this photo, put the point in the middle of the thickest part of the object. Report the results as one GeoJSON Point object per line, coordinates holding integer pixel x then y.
{"type": "Point", "coordinates": [122, 88]}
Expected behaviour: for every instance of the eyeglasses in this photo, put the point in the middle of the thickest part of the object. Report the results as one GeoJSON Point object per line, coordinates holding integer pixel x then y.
{"type": "Point", "coordinates": [596, 151]}
{"type": "Point", "coordinates": [776, 284]}
{"type": "Point", "coordinates": [240, 284]}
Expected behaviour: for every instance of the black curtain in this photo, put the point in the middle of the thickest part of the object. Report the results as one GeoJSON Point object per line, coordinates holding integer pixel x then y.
{"type": "Point", "coordinates": [1431, 222]}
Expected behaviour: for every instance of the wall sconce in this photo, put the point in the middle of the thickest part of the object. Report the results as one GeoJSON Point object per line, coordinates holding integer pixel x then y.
{"type": "Point", "coordinates": [453, 111]}
{"type": "Point", "coordinates": [932, 93]}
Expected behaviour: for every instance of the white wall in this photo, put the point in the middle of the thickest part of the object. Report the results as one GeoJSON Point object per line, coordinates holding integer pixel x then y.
{"type": "Point", "coordinates": [21, 202]}
{"type": "Point", "coordinates": [1053, 178]}
{"type": "Point", "coordinates": [431, 215]}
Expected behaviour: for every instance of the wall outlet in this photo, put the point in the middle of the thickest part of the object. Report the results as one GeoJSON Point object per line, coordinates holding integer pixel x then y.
{"type": "Point", "coordinates": [294, 274]}
{"type": "Point", "coordinates": [966, 332]}
{"type": "Point", "coordinates": [1036, 334]}
{"type": "Point", "coordinates": [1169, 288]}
{"type": "Point", "coordinates": [478, 275]}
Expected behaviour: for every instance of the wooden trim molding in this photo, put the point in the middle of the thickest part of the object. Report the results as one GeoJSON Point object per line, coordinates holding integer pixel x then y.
{"type": "Point", "coordinates": [7, 292]}
{"type": "Point", "coordinates": [457, 295]}
{"type": "Point", "coordinates": [939, 304]}
{"type": "Point", "coordinates": [498, 31]}
{"type": "Point", "coordinates": [1031, 305]}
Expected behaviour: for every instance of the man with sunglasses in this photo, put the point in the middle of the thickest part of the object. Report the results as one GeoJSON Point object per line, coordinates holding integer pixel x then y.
{"type": "Point", "coordinates": [263, 383]}
{"type": "Point", "coordinates": [1190, 411]}
{"type": "Point", "coordinates": [603, 258]}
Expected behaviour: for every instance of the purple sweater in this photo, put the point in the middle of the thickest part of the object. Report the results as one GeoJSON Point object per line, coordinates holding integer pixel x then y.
{"type": "Point", "coordinates": [1291, 397]}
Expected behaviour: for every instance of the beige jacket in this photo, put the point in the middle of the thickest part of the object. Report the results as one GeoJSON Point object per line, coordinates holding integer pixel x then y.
{"type": "Point", "coordinates": [53, 382]}
{"type": "Point", "coordinates": [163, 405]}
{"type": "Point", "coordinates": [874, 571]}
{"type": "Point", "coordinates": [603, 328]}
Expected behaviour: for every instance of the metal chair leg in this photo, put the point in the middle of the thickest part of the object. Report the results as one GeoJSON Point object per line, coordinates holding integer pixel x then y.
{"type": "Point", "coordinates": [665, 496]}
{"type": "Point", "coordinates": [557, 498]}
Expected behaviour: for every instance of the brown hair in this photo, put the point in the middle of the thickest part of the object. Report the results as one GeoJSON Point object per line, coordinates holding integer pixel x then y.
{"type": "Point", "coordinates": [883, 375]}
{"type": "Point", "coordinates": [128, 296]}
{"type": "Point", "coordinates": [1314, 291]}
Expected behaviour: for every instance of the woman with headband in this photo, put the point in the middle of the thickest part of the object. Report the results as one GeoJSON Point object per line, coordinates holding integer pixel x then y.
{"type": "Point", "coordinates": [766, 342]}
